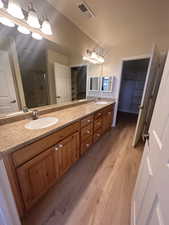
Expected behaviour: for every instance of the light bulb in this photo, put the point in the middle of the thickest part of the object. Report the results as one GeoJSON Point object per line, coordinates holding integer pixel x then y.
{"type": "Point", "coordinates": [6, 22]}
{"type": "Point", "coordinates": [94, 55]}
{"type": "Point", "coordinates": [33, 19]}
{"type": "Point", "coordinates": [15, 10]}
{"type": "Point", "coordinates": [86, 58]}
{"type": "Point", "coordinates": [1, 4]}
{"type": "Point", "coordinates": [100, 59]}
{"type": "Point", "coordinates": [23, 30]}
{"type": "Point", "coordinates": [36, 36]}
{"type": "Point", "coordinates": [46, 27]}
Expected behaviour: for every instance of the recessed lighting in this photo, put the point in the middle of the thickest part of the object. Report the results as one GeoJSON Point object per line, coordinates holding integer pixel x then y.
{"type": "Point", "coordinates": [33, 20]}
{"type": "Point", "coordinates": [15, 10]}
{"type": "Point", "coordinates": [37, 36]}
{"type": "Point", "coordinates": [23, 30]}
{"type": "Point", "coordinates": [46, 27]}
{"type": "Point", "coordinates": [6, 22]}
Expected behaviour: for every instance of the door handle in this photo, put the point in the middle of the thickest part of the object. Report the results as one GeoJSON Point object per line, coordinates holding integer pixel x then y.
{"type": "Point", "coordinates": [13, 101]}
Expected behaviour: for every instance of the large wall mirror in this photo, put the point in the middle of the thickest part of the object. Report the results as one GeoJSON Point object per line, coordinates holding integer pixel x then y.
{"type": "Point", "coordinates": [35, 73]}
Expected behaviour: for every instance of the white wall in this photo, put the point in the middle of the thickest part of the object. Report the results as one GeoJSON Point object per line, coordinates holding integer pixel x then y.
{"type": "Point", "coordinates": [8, 212]}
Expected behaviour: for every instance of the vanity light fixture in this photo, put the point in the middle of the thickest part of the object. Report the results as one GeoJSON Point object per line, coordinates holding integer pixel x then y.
{"type": "Point", "coordinates": [97, 57]}
{"type": "Point", "coordinates": [14, 9]}
{"type": "Point", "coordinates": [46, 27]}
{"type": "Point", "coordinates": [6, 22]}
{"type": "Point", "coordinates": [1, 4]}
{"type": "Point", "coordinates": [33, 20]}
{"type": "Point", "coordinates": [93, 57]}
{"type": "Point", "coordinates": [23, 30]}
{"type": "Point", "coordinates": [37, 36]}
{"type": "Point", "coordinates": [86, 58]}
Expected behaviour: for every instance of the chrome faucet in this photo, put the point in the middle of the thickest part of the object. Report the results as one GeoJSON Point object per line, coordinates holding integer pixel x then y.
{"type": "Point", "coordinates": [35, 114]}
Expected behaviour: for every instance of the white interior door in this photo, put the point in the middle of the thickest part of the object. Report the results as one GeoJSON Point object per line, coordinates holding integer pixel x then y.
{"type": "Point", "coordinates": [150, 204]}
{"type": "Point", "coordinates": [154, 74]}
{"type": "Point", "coordinates": [63, 83]}
{"type": "Point", "coordinates": [8, 100]}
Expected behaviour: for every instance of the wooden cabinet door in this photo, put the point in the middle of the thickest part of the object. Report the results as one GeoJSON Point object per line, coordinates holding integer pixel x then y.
{"type": "Point", "coordinates": [107, 120]}
{"type": "Point", "coordinates": [36, 176]}
{"type": "Point", "coordinates": [68, 151]}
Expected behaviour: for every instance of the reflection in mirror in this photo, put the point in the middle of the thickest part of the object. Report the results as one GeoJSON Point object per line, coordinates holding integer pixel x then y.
{"type": "Point", "coordinates": [94, 83]}
{"type": "Point", "coordinates": [36, 73]}
{"type": "Point", "coordinates": [106, 84]}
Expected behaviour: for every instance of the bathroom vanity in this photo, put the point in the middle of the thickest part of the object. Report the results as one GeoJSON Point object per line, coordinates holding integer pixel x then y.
{"type": "Point", "coordinates": [36, 159]}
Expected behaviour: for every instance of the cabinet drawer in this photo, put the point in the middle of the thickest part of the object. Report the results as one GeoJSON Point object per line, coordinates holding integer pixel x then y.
{"type": "Point", "coordinates": [85, 145]}
{"type": "Point", "coordinates": [97, 135]}
{"type": "Point", "coordinates": [98, 114]}
{"type": "Point", "coordinates": [86, 131]}
{"type": "Point", "coordinates": [23, 155]}
{"type": "Point", "coordinates": [86, 120]}
{"type": "Point", "coordinates": [98, 124]}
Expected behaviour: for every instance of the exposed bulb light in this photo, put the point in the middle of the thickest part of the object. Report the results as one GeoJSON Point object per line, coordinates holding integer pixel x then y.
{"type": "Point", "coordinates": [1, 4]}
{"type": "Point", "coordinates": [15, 10]}
{"type": "Point", "coordinates": [6, 22]}
{"type": "Point", "coordinates": [23, 30]}
{"type": "Point", "coordinates": [86, 58]}
{"type": "Point", "coordinates": [46, 27]}
{"type": "Point", "coordinates": [94, 55]}
{"type": "Point", "coordinates": [100, 59]}
{"type": "Point", "coordinates": [33, 20]}
{"type": "Point", "coordinates": [36, 36]}
{"type": "Point", "coordinates": [97, 57]}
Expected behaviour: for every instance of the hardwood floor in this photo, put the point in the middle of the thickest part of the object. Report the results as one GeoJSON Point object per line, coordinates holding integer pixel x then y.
{"type": "Point", "coordinates": [98, 188]}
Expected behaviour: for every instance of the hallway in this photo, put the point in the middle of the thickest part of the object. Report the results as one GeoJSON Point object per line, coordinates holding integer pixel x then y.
{"type": "Point", "coordinates": [97, 190]}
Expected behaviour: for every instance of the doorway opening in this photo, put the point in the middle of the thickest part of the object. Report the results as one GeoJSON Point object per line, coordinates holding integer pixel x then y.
{"type": "Point", "coordinates": [78, 78]}
{"type": "Point", "coordinates": [133, 79]}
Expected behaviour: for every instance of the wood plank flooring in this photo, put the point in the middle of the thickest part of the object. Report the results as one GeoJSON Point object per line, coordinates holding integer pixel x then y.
{"type": "Point", "coordinates": [98, 188]}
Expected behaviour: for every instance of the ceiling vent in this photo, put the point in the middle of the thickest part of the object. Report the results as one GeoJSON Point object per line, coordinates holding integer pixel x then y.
{"type": "Point", "coordinates": [85, 9]}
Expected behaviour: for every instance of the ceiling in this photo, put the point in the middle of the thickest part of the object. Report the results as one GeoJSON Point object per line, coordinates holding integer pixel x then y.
{"type": "Point", "coordinates": [118, 21]}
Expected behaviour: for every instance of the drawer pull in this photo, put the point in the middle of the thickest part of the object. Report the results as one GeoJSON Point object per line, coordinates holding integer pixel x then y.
{"type": "Point", "coordinates": [98, 135]}
{"type": "Point", "coordinates": [87, 145]}
{"type": "Point", "coordinates": [99, 114]}
{"type": "Point", "coordinates": [60, 146]}
{"type": "Point", "coordinates": [88, 131]}
{"type": "Point", "coordinates": [89, 121]}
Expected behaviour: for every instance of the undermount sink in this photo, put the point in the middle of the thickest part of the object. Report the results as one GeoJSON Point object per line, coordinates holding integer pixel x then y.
{"type": "Point", "coordinates": [41, 123]}
{"type": "Point", "coordinates": [101, 103]}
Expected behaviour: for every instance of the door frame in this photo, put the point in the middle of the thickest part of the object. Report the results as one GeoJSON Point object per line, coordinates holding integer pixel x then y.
{"type": "Point", "coordinates": [79, 65]}
{"type": "Point", "coordinates": [120, 80]}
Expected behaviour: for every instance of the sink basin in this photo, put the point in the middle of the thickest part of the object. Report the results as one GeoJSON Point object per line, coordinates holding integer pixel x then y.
{"type": "Point", "coordinates": [41, 123]}
{"type": "Point", "coordinates": [101, 103]}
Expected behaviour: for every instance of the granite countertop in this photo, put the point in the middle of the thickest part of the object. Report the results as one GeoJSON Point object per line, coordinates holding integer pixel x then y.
{"type": "Point", "coordinates": [14, 135]}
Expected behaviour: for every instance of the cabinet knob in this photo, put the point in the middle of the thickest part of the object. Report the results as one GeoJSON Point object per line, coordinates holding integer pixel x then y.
{"type": "Point", "coordinates": [56, 148]}
{"type": "Point", "coordinates": [87, 145]}
{"type": "Point", "coordinates": [88, 121]}
{"type": "Point", "coordinates": [98, 135]}
{"type": "Point", "coordinates": [60, 146]}
{"type": "Point", "coordinates": [88, 131]}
